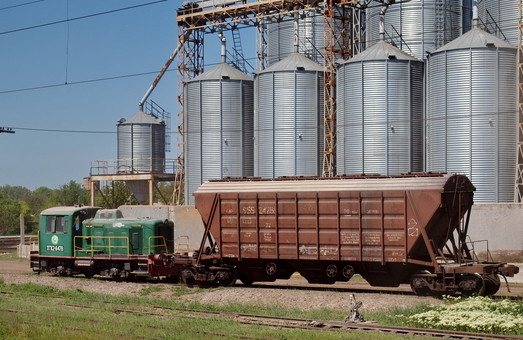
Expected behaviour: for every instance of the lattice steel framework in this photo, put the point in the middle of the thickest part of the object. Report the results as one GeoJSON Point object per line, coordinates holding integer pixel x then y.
{"type": "Point", "coordinates": [518, 195]}
{"type": "Point", "coordinates": [340, 16]}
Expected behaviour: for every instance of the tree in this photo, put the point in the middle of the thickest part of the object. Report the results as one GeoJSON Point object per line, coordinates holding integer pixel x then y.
{"type": "Point", "coordinates": [115, 195]}
{"type": "Point", "coordinates": [17, 192]}
{"type": "Point", "coordinates": [10, 210]}
{"type": "Point", "coordinates": [70, 194]}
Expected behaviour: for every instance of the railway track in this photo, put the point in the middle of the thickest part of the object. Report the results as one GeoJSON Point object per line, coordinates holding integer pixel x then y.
{"type": "Point", "coordinates": [286, 322]}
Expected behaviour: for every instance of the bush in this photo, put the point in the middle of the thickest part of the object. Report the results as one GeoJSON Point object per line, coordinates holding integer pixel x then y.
{"type": "Point", "coordinates": [478, 314]}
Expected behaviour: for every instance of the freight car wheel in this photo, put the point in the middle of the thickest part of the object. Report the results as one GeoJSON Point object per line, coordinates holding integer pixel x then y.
{"type": "Point", "coordinates": [348, 271]}
{"type": "Point", "coordinates": [245, 280]}
{"type": "Point", "coordinates": [331, 270]}
{"type": "Point", "coordinates": [271, 268]}
{"type": "Point", "coordinates": [472, 285]}
{"type": "Point", "coordinates": [492, 284]}
{"type": "Point", "coordinates": [227, 277]}
{"type": "Point", "coordinates": [420, 283]}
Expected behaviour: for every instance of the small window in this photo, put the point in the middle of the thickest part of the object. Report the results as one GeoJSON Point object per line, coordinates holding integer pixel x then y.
{"type": "Point", "coordinates": [50, 224]}
{"type": "Point", "coordinates": [60, 224]}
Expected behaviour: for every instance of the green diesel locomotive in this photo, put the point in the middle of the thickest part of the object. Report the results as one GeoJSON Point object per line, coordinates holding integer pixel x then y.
{"type": "Point", "coordinates": [90, 240]}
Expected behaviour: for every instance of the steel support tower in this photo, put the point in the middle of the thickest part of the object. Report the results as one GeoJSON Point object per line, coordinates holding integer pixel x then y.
{"type": "Point", "coordinates": [518, 195]}
{"type": "Point", "coordinates": [343, 36]}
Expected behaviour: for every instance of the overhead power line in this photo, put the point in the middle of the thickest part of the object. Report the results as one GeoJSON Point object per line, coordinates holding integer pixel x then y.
{"type": "Point", "coordinates": [80, 17]}
{"type": "Point", "coordinates": [6, 130]}
{"type": "Point", "coordinates": [20, 5]}
{"type": "Point", "coordinates": [64, 131]}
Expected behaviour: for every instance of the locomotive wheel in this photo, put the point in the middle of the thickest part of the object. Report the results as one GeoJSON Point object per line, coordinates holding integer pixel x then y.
{"type": "Point", "coordinates": [88, 274]}
{"type": "Point", "coordinates": [420, 283]}
{"type": "Point", "coordinates": [492, 284]}
{"type": "Point", "coordinates": [472, 285]}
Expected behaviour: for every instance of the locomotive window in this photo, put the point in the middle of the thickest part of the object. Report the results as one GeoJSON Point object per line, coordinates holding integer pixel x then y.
{"type": "Point", "coordinates": [50, 224]}
{"type": "Point", "coordinates": [60, 224]}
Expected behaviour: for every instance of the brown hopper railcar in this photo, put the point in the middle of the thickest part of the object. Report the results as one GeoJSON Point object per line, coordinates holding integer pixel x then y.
{"type": "Point", "coordinates": [390, 230]}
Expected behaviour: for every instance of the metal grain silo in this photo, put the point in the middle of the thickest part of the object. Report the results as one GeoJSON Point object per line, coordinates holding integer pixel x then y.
{"type": "Point", "coordinates": [218, 127]}
{"type": "Point", "coordinates": [417, 26]}
{"type": "Point", "coordinates": [311, 36]}
{"type": "Point", "coordinates": [379, 112]}
{"type": "Point", "coordinates": [472, 113]}
{"type": "Point", "coordinates": [500, 17]}
{"type": "Point", "coordinates": [288, 119]}
{"type": "Point", "coordinates": [141, 144]}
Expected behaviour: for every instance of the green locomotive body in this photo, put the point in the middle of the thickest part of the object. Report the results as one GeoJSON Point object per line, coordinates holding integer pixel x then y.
{"type": "Point", "coordinates": [90, 240]}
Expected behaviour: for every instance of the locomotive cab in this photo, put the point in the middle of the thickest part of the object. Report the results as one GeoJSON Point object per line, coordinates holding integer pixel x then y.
{"type": "Point", "coordinates": [59, 229]}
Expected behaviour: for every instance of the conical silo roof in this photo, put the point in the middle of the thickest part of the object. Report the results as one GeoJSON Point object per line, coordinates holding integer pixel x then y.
{"type": "Point", "coordinates": [142, 118]}
{"type": "Point", "coordinates": [294, 62]}
{"type": "Point", "coordinates": [475, 38]}
{"type": "Point", "coordinates": [222, 71]}
{"type": "Point", "coordinates": [382, 51]}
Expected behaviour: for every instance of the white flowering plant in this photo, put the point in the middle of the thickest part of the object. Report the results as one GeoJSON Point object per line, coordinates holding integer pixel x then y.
{"type": "Point", "coordinates": [477, 314]}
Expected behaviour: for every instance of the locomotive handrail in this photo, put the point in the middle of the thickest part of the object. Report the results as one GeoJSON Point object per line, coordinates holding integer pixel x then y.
{"type": "Point", "coordinates": [94, 248]}
{"type": "Point", "coordinates": [157, 245]}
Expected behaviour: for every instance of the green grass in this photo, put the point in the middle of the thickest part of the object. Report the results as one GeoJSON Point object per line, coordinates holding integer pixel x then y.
{"type": "Point", "coordinates": [38, 312]}
{"type": "Point", "coordinates": [12, 257]}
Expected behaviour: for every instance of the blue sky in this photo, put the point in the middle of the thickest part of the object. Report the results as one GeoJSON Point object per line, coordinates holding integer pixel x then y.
{"type": "Point", "coordinates": [123, 43]}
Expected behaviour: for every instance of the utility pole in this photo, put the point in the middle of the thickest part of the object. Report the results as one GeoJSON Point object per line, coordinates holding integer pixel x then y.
{"type": "Point", "coordinates": [6, 130]}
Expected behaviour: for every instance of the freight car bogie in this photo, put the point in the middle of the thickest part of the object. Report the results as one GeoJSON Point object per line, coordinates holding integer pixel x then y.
{"type": "Point", "coordinates": [466, 284]}
{"type": "Point", "coordinates": [209, 276]}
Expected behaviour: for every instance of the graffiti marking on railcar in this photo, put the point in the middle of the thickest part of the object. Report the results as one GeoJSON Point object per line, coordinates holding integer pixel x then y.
{"type": "Point", "coordinates": [249, 248]}
{"type": "Point", "coordinates": [413, 229]}
{"type": "Point", "coordinates": [326, 251]}
{"type": "Point", "coordinates": [308, 250]}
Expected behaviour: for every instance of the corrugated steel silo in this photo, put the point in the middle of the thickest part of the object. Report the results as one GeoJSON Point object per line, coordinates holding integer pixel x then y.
{"type": "Point", "coordinates": [288, 119]}
{"type": "Point", "coordinates": [311, 28]}
{"type": "Point", "coordinates": [379, 112]}
{"type": "Point", "coordinates": [500, 17]}
{"type": "Point", "coordinates": [472, 113]}
{"type": "Point", "coordinates": [218, 127]}
{"type": "Point", "coordinates": [417, 26]}
{"type": "Point", "coordinates": [141, 144]}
